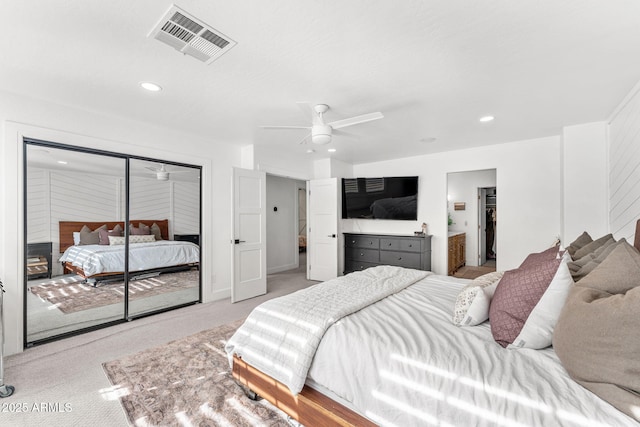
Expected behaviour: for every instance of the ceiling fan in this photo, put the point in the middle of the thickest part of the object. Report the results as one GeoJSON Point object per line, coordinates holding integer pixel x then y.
{"type": "Point", "coordinates": [321, 132]}
{"type": "Point", "coordinates": [162, 174]}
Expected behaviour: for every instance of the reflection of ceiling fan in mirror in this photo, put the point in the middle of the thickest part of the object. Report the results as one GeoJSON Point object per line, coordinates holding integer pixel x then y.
{"type": "Point", "coordinates": [162, 173]}
{"type": "Point", "coordinates": [321, 132]}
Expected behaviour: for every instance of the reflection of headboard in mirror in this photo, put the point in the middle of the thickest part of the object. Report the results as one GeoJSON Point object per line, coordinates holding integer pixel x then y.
{"type": "Point", "coordinates": [68, 227]}
{"type": "Point", "coordinates": [636, 241]}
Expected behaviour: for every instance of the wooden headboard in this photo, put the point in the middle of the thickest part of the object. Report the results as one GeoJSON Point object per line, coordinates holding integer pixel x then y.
{"type": "Point", "coordinates": [636, 240]}
{"type": "Point", "coordinates": [68, 227]}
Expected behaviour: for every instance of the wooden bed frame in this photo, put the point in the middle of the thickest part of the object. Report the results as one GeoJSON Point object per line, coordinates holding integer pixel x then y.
{"type": "Point", "coordinates": [67, 228]}
{"type": "Point", "coordinates": [310, 407]}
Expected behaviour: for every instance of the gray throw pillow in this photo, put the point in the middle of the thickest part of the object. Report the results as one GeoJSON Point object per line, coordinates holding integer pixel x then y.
{"type": "Point", "coordinates": [582, 240]}
{"type": "Point", "coordinates": [593, 246]}
{"type": "Point", "coordinates": [88, 237]}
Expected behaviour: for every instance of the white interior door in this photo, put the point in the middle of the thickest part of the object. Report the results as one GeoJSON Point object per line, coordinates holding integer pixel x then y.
{"type": "Point", "coordinates": [323, 229]}
{"type": "Point", "coordinates": [249, 270]}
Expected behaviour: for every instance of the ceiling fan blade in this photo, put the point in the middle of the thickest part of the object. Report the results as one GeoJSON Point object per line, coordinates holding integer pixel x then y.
{"type": "Point", "coordinates": [285, 127]}
{"type": "Point", "coordinates": [305, 139]}
{"type": "Point", "coordinates": [356, 120]}
{"type": "Point", "coordinates": [152, 168]}
{"type": "Point", "coordinates": [307, 110]}
{"type": "Point", "coordinates": [344, 134]}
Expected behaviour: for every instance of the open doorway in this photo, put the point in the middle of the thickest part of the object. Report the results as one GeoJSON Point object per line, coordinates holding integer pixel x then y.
{"type": "Point", "coordinates": [487, 218]}
{"type": "Point", "coordinates": [470, 232]}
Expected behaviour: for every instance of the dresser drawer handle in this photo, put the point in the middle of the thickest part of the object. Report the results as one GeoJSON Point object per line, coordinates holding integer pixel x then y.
{"type": "Point", "coordinates": [399, 258]}
{"type": "Point", "coordinates": [389, 243]}
{"type": "Point", "coordinates": [353, 241]}
{"type": "Point", "coordinates": [361, 254]}
{"type": "Point", "coordinates": [410, 246]}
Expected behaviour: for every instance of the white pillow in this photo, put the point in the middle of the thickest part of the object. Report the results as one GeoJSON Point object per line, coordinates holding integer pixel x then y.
{"type": "Point", "coordinates": [76, 238]}
{"type": "Point", "coordinates": [473, 301]}
{"type": "Point", "coordinates": [537, 331]}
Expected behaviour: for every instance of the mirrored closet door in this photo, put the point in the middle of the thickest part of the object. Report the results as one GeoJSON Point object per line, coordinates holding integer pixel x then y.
{"type": "Point", "coordinates": [108, 238]}
{"type": "Point", "coordinates": [164, 236]}
{"type": "Point", "coordinates": [70, 198]}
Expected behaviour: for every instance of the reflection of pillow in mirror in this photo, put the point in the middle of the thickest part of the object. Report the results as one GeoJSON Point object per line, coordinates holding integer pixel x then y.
{"type": "Point", "coordinates": [104, 234]}
{"type": "Point", "coordinates": [155, 230]}
{"type": "Point", "coordinates": [133, 238]}
{"type": "Point", "coordinates": [116, 240]}
{"type": "Point", "coordinates": [76, 238]}
{"type": "Point", "coordinates": [145, 238]}
{"type": "Point", "coordinates": [88, 237]}
{"type": "Point", "coordinates": [139, 231]}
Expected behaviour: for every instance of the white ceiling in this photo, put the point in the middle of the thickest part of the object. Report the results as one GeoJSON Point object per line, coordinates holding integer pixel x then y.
{"type": "Point", "coordinates": [431, 67]}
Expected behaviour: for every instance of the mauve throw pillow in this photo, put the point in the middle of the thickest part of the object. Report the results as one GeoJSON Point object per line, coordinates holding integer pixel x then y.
{"type": "Point", "coordinates": [139, 231]}
{"type": "Point", "coordinates": [104, 234]}
{"type": "Point", "coordinates": [516, 295]}
{"type": "Point", "coordinates": [546, 255]}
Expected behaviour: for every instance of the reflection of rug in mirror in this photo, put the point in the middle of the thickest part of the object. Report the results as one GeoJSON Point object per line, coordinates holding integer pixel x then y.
{"type": "Point", "coordinates": [70, 295]}
{"type": "Point", "coordinates": [186, 382]}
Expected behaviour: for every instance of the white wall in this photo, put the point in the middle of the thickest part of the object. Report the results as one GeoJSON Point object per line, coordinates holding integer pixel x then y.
{"type": "Point", "coordinates": [282, 224]}
{"type": "Point", "coordinates": [624, 167]}
{"type": "Point", "coordinates": [27, 117]}
{"type": "Point", "coordinates": [527, 175]}
{"type": "Point", "coordinates": [585, 189]}
{"type": "Point", "coordinates": [463, 187]}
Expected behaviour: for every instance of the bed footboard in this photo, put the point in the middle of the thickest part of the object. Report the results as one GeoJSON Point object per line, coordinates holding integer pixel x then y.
{"type": "Point", "coordinates": [310, 407]}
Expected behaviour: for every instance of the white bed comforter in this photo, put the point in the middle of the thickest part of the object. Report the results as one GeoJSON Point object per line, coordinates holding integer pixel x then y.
{"type": "Point", "coordinates": [280, 336]}
{"type": "Point", "coordinates": [95, 259]}
{"type": "Point", "coordinates": [401, 362]}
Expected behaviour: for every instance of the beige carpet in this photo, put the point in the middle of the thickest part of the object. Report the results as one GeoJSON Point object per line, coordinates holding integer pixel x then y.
{"type": "Point", "coordinates": [187, 382]}
{"type": "Point", "coordinates": [71, 295]}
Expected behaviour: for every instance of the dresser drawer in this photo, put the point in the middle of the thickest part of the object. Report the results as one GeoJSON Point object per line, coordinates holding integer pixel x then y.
{"type": "Point", "coordinates": [361, 254]}
{"type": "Point", "coordinates": [355, 265]}
{"type": "Point", "coordinates": [409, 245]}
{"type": "Point", "coordinates": [351, 241]}
{"type": "Point", "coordinates": [401, 259]}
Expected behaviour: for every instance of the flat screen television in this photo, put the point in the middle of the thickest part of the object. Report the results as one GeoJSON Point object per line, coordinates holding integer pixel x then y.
{"type": "Point", "coordinates": [380, 198]}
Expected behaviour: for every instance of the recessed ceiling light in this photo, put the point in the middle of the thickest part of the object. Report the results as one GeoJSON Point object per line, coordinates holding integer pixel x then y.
{"type": "Point", "coordinates": [428, 140]}
{"type": "Point", "coordinates": [62, 162]}
{"type": "Point", "coordinates": [486, 119]}
{"type": "Point", "coordinates": [151, 86]}
{"type": "Point", "coordinates": [331, 150]}
{"type": "Point", "coordinates": [311, 150]}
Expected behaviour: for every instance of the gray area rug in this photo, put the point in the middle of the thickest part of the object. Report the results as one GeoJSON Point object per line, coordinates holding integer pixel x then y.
{"type": "Point", "coordinates": [187, 382]}
{"type": "Point", "coordinates": [70, 295]}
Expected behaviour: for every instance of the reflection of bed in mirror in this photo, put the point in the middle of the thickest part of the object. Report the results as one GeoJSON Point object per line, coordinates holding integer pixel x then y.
{"type": "Point", "coordinates": [99, 262]}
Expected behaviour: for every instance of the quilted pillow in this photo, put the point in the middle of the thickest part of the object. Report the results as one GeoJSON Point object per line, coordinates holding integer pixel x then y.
{"type": "Point", "coordinates": [518, 294]}
{"type": "Point", "coordinates": [472, 303]}
{"type": "Point", "coordinates": [548, 254]}
{"type": "Point", "coordinates": [596, 335]}
{"type": "Point", "coordinates": [104, 234]}
{"type": "Point", "coordinates": [537, 331]}
{"type": "Point", "coordinates": [88, 237]}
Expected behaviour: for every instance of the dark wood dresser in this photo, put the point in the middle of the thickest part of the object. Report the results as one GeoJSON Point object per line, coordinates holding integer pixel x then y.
{"type": "Point", "coordinates": [362, 251]}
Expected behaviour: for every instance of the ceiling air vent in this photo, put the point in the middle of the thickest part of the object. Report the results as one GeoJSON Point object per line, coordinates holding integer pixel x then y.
{"type": "Point", "coordinates": [191, 36]}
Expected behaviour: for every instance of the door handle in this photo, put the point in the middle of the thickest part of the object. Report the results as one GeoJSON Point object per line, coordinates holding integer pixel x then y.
{"type": "Point", "coordinates": [237, 241]}
{"type": "Point", "coordinates": [332, 235]}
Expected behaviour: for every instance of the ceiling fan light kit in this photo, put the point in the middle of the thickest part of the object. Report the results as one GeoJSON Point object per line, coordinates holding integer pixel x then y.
{"type": "Point", "coordinates": [321, 132]}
